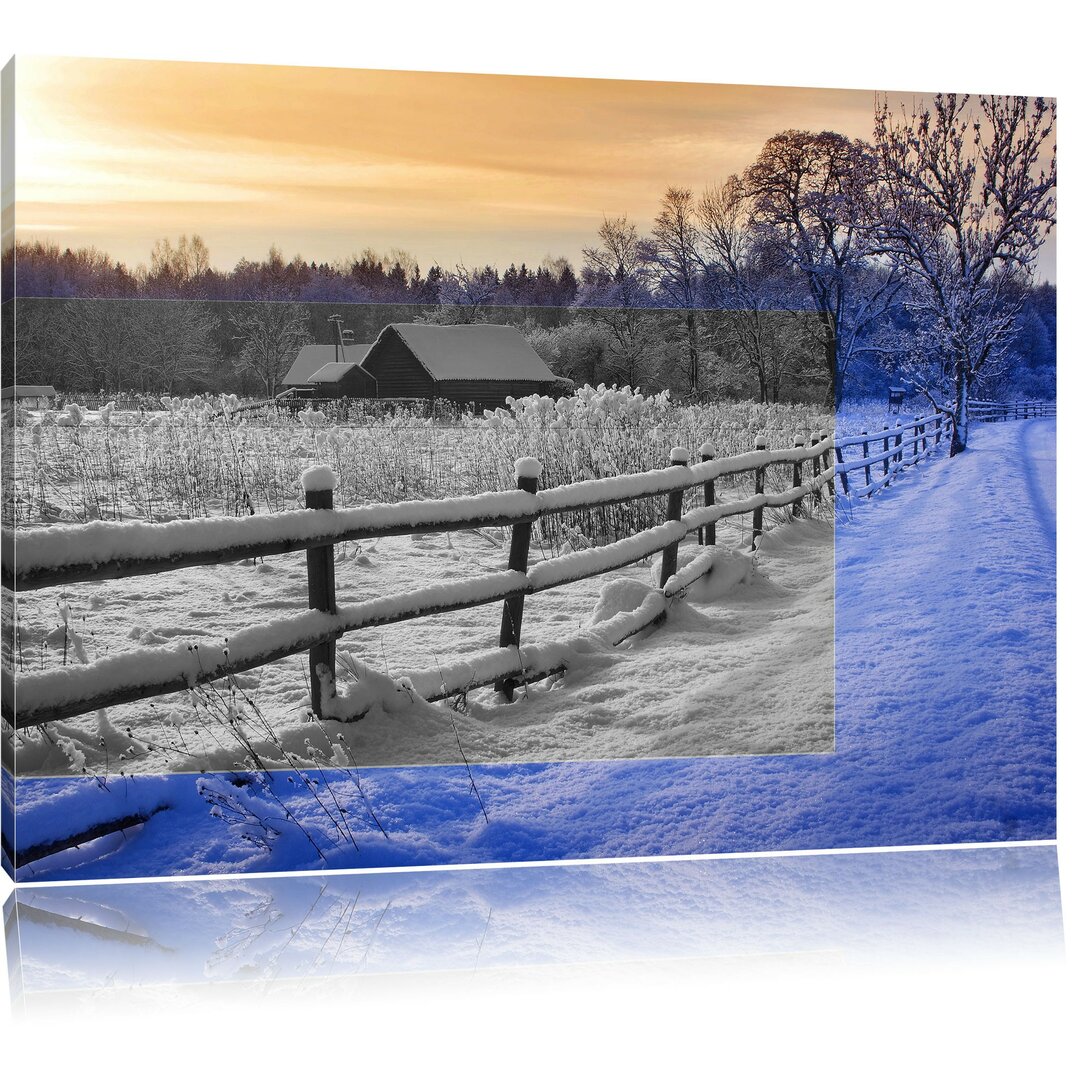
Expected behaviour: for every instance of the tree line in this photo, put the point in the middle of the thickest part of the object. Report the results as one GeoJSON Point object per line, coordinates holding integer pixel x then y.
{"type": "Point", "coordinates": [828, 262]}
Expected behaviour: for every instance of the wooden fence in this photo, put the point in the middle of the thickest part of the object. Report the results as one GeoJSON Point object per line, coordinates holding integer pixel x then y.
{"type": "Point", "coordinates": [996, 411]}
{"type": "Point", "coordinates": [62, 555]}
{"type": "Point", "coordinates": [886, 453]}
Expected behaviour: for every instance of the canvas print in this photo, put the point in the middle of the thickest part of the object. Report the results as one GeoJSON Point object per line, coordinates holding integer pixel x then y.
{"type": "Point", "coordinates": [404, 468]}
{"type": "Point", "coordinates": [220, 941]}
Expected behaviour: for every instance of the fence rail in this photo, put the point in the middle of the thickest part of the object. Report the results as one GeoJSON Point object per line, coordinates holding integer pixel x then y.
{"type": "Point", "coordinates": [901, 446]}
{"type": "Point", "coordinates": [60, 555]}
{"type": "Point", "coordinates": [996, 411]}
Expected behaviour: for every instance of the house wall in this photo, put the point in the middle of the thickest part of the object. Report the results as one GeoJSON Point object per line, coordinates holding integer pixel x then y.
{"type": "Point", "coordinates": [399, 373]}
{"type": "Point", "coordinates": [353, 384]}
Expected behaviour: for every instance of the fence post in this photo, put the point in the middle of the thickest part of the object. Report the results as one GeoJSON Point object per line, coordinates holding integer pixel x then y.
{"type": "Point", "coordinates": [826, 464]}
{"type": "Point", "coordinates": [319, 483]}
{"type": "Point", "coordinates": [900, 442]}
{"type": "Point", "coordinates": [670, 559]}
{"type": "Point", "coordinates": [527, 471]}
{"type": "Point", "coordinates": [866, 454]}
{"type": "Point", "coordinates": [886, 445]}
{"type": "Point", "coordinates": [759, 489]}
{"type": "Point", "coordinates": [708, 452]}
{"type": "Point", "coordinates": [816, 460]}
{"type": "Point", "coordinates": [842, 470]}
{"type": "Point", "coordinates": [796, 477]}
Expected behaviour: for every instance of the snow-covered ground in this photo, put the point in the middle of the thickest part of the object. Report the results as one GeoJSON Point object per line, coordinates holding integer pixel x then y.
{"type": "Point", "coordinates": [744, 665]}
{"type": "Point", "coordinates": [945, 701]}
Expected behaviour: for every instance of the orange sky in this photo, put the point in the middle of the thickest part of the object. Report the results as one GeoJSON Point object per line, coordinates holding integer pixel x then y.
{"type": "Point", "coordinates": [328, 161]}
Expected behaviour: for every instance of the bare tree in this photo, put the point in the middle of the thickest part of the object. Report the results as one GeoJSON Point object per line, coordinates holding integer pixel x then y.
{"type": "Point", "coordinates": [965, 206]}
{"type": "Point", "coordinates": [615, 275]}
{"type": "Point", "coordinates": [810, 196]}
{"type": "Point", "coordinates": [763, 326]}
{"type": "Point", "coordinates": [463, 296]}
{"type": "Point", "coordinates": [271, 334]}
{"type": "Point", "coordinates": [175, 347]}
{"type": "Point", "coordinates": [674, 261]}
{"type": "Point", "coordinates": [172, 267]}
{"type": "Point", "coordinates": [149, 345]}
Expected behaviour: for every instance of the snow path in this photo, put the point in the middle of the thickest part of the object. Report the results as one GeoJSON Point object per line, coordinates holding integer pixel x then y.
{"type": "Point", "coordinates": [945, 712]}
{"type": "Point", "coordinates": [1038, 453]}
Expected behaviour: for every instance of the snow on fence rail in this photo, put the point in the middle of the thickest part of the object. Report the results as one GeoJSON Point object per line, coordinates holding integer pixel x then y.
{"type": "Point", "coordinates": [991, 411]}
{"type": "Point", "coordinates": [58, 555]}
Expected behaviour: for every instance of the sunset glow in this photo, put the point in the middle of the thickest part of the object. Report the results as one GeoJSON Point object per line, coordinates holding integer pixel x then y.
{"type": "Point", "coordinates": [326, 162]}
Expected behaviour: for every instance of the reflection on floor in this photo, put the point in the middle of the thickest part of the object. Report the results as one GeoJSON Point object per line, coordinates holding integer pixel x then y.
{"type": "Point", "coordinates": [181, 938]}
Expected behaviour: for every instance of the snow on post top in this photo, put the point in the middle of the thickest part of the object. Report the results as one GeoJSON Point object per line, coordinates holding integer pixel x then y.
{"type": "Point", "coordinates": [707, 450]}
{"type": "Point", "coordinates": [319, 478]}
{"type": "Point", "coordinates": [527, 468]}
{"type": "Point", "coordinates": [800, 440]}
{"type": "Point", "coordinates": [679, 455]}
{"type": "Point", "coordinates": [761, 443]}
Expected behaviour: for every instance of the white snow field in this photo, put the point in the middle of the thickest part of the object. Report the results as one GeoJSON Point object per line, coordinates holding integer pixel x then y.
{"type": "Point", "coordinates": [945, 709]}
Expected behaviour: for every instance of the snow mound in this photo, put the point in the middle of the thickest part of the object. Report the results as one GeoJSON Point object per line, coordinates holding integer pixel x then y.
{"type": "Point", "coordinates": [527, 468]}
{"type": "Point", "coordinates": [729, 569]}
{"type": "Point", "coordinates": [620, 595]}
{"type": "Point", "coordinates": [319, 478]}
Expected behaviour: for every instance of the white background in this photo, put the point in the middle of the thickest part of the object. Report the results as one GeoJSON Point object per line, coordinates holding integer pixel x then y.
{"type": "Point", "coordinates": [667, 1020]}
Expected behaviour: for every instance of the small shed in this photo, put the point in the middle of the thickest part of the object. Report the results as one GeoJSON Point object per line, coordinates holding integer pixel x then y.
{"type": "Point", "coordinates": [30, 397]}
{"type": "Point", "coordinates": [312, 358]}
{"type": "Point", "coordinates": [479, 364]}
{"type": "Point", "coordinates": [348, 380]}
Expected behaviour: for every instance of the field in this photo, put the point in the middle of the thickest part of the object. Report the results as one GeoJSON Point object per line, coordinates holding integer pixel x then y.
{"type": "Point", "coordinates": [202, 456]}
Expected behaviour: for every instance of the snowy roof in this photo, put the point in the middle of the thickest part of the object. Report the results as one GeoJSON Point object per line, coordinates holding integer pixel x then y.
{"type": "Point", "coordinates": [313, 357]}
{"type": "Point", "coordinates": [22, 390]}
{"type": "Point", "coordinates": [330, 373]}
{"type": "Point", "coordinates": [479, 351]}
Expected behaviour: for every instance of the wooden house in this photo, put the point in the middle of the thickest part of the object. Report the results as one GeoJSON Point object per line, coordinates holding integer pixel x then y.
{"type": "Point", "coordinates": [477, 365]}
{"type": "Point", "coordinates": [348, 380]}
{"type": "Point", "coordinates": [29, 397]}
{"type": "Point", "coordinates": [313, 358]}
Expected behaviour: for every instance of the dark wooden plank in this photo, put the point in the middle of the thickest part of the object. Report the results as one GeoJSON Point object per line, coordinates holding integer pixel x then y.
{"type": "Point", "coordinates": [321, 597]}
{"type": "Point", "coordinates": [514, 608]}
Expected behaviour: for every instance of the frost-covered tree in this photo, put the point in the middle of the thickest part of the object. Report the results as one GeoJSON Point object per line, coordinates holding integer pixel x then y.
{"type": "Point", "coordinates": [965, 203]}
{"type": "Point", "coordinates": [575, 350]}
{"type": "Point", "coordinates": [810, 193]}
